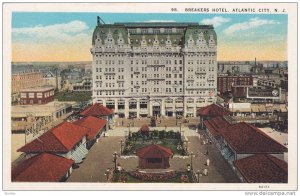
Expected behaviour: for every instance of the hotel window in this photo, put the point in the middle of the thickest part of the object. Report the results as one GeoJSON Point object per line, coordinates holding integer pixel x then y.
{"type": "Point", "coordinates": [31, 95]}
{"type": "Point", "coordinates": [23, 95]}
{"type": "Point", "coordinates": [39, 95]}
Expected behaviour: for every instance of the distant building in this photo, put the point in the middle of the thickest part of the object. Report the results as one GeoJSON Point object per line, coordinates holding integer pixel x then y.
{"type": "Point", "coordinates": [85, 85]}
{"type": "Point", "coordinates": [226, 82]}
{"type": "Point", "coordinates": [37, 95]}
{"type": "Point", "coordinates": [50, 79]}
{"type": "Point", "coordinates": [235, 67]}
{"type": "Point", "coordinates": [25, 80]}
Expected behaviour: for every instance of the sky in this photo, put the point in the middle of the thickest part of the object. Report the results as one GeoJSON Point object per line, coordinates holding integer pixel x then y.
{"type": "Point", "coordinates": [57, 37]}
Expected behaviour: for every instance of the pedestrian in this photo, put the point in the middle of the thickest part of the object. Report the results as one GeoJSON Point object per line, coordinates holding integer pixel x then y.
{"type": "Point", "coordinates": [207, 162]}
{"type": "Point", "coordinates": [205, 172]}
{"type": "Point", "coordinates": [207, 152]}
{"type": "Point", "coordinates": [122, 122]}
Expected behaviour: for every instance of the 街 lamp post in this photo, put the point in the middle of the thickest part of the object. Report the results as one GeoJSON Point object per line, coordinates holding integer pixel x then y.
{"type": "Point", "coordinates": [115, 156]}
{"type": "Point", "coordinates": [191, 154]}
{"type": "Point", "coordinates": [198, 175]}
{"type": "Point", "coordinates": [122, 144]}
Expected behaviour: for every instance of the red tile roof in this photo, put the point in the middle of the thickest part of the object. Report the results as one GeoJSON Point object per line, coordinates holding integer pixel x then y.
{"type": "Point", "coordinates": [96, 110]}
{"type": "Point", "coordinates": [42, 168]}
{"type": "Point", "coordinates": [245, 138]}
{"type": "Point", "coordinates": [61, 138]}
{"type": "Point", "coordinates": [95, 125]}
{"type": "Point", "coordinates": [144, 128]}
{"type": "Point", "coordinates": [214, 124]}
{"type": "Point", "coordinates": [154, 151]}
{"type": "Point", "coordinates": [262, 168]}
{"type": "Point", "coordinates": [213, 110]}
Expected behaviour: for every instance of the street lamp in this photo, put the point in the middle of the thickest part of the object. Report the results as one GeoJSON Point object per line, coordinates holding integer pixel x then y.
{"type": "Point", "coordinates": [106, 173]}
{"type": "Point", "coordinates": [198, 175]}
{"type": "Point", "coordinates": [180, 129]}
{"type": "Point", "coordinates": [191, 154]}
{"type": "Point", "coordinates": [115, 156]}
{"type": "Point", "coordinates": [122, 144]}
{"type": "Point", "coordinates": [129, 124]}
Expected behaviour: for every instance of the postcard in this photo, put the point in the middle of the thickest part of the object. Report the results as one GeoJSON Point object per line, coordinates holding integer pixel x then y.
{"type": "Point", "coordinates": [150, 96]}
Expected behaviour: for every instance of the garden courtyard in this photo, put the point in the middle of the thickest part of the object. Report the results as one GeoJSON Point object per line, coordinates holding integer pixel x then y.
{"type": "Point", "coordinates": [98, 165]}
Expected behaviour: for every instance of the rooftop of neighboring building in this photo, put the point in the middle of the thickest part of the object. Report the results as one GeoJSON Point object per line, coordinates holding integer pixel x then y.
{"type": "Point", "coordinates": [38, 110]}
{"type": "Point", "coordinates": [247, 139]}
{"type": "Point", "coordinates": [262, 168]}
{"type": "Point", "coordinates": [216, 123]}
{"type": "Point", "coordinates": [213, 110]}
{"type": "Point", "coordinates": [95, 125]}
{"type": "Point", "coordinates": [42, 168]}
{"type": "Point", "coordinates": [37, 89]}
{"type": "Point", "coordinates": [60, 139]}
{"type": "Point", "coordinates": [96, 110]}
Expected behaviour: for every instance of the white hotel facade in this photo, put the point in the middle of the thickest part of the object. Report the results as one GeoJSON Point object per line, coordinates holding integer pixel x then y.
{"type": "Point", "coordinates": [149, 69]}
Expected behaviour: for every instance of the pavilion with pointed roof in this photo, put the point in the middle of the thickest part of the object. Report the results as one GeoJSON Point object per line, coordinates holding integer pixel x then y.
{"type": "Point", "coordinates": [154, 157]}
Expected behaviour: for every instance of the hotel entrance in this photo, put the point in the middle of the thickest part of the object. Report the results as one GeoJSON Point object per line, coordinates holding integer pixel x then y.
{"type": "Point", "coordinates": [156, 111]}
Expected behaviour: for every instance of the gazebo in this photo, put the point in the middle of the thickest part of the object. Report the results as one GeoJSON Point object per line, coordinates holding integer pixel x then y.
{"type": "Point", "coordinates": [144, 130]}
{"type": "Point", "coordinates": [154, 157]}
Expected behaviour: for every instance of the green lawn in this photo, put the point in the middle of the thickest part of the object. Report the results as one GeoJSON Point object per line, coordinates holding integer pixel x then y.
{"type": "Point", "coordinates": [166, 142]}
{"type": "Point", "coordinates": [73, 96]}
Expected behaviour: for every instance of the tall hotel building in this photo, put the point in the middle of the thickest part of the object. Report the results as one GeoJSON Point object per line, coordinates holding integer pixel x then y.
{"type": "Point", "coordinates": [150, 69]}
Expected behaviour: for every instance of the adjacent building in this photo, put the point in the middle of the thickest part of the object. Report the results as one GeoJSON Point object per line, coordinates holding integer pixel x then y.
{"type": "Point", "coordinates": [37, 95]}
{"type": "Point", "coordinates": [51, 79]}
{"type": "Point", "coordinates": [225, 83]}
{"type": "Point", "coordinates": [25, 80]}
{"type": "Point", "coordinates": [44, 167]}
{"type": "Point", "coordinates": [153, 69]}
{"type": "Point", "coordinates": [66, 140]}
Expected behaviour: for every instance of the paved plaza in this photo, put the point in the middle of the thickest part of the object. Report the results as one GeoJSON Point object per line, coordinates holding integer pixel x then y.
{"type": "Point", "coordinates": [100, 158]}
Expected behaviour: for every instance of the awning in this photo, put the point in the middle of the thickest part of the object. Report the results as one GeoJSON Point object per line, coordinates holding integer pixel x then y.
{"type": "Point", "coordinates": [254, 109]}
{"type": "Point", "coordinates": [283, 108]}
{"type": "Point", "coordinates": [179, 105]}
{"type": "Point", "coordinates": [262, 108]}
{"type": "Point", "coordinates": [190, 112]}
{"type": "Point", "coordinates": [179, 109]}
{"type": "Point", "coordinates": [241, 110]}
{"type": "Point", "coordinates": [169, 105]}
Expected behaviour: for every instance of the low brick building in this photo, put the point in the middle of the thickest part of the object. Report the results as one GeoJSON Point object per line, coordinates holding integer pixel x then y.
{"type": "Point", "coordinates": [37, 95]}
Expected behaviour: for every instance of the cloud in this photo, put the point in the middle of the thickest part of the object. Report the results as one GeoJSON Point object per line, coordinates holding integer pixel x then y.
{"type": "Point", "coordinates": [66, 32]}
{"type": "Point", "coordinates": [251, 24]}
{"type": "Point", "coordinates": [216, 21]}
